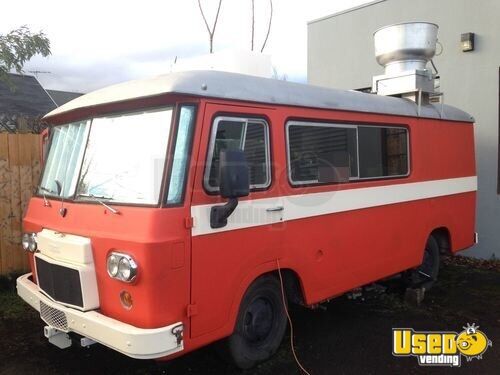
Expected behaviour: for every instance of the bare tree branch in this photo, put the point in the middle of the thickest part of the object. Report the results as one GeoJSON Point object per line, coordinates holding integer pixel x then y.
{"type": "Point", "coordinates": [268, 25]}
{"type": "Point", "coordinates": [212, 31]}
{"type": "Point", "coordinates": [204, 18]}
{"type": "Point", "coordinates": [216, 17]}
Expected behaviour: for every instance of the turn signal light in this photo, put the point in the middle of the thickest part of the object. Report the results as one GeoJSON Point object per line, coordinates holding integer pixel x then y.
{"type": "Point", "coordinates": [126, 299]}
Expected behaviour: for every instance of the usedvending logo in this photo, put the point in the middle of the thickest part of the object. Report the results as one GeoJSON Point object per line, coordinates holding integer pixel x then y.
{"type": "Point", "coordinates": [440, 348]}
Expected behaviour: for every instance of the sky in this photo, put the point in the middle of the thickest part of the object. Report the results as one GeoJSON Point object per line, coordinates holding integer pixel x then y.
{"type": "Point", "coordinates": [96, 43]}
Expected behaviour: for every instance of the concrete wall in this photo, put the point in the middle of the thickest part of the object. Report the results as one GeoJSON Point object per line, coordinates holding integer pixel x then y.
{"type": "Point", "coordinates": [341, 55]}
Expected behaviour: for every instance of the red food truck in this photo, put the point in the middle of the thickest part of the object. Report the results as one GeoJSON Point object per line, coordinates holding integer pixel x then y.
{"type": "Point", "coordinates": [174, 212]}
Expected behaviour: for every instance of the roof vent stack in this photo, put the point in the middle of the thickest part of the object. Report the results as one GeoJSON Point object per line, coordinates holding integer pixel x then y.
{"type": "Point", "coordinates": [404, 50]}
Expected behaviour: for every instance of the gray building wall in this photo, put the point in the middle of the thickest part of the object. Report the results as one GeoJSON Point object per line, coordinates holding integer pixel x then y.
{"type": "Point", "coordinates": [341, 55]}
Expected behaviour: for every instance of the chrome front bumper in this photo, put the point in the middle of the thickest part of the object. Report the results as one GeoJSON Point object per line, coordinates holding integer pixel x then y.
{"type": "Point", "coordinates": [132, 341]}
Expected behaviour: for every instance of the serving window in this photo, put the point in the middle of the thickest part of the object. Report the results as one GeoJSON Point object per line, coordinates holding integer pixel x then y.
{"type": "Point", "coordinates": [320, 153]}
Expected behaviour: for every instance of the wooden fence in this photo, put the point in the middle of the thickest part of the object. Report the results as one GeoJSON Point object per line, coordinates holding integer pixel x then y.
{"type": "Point", "coordinates": [19, 173]}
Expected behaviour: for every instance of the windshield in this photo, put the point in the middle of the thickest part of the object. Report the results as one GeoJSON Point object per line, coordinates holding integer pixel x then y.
{"type": "Point", "coordinates": [64, 159]}
{"type": "Point", "coordinates": [119, 158]}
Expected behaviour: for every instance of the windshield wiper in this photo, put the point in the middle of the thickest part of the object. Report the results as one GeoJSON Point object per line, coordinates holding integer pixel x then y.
{"type": "Point", "coordinates": [47, 190]}
{"type": "Point", "coordinates": [99, 199]}
{"type": "Point", "coordinates": [93, 196]}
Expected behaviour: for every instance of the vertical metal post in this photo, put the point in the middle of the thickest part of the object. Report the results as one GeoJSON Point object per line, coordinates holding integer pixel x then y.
{"type": "Point", "coordinates": [419, 102]}
{"type": "Point", "coordinates": [442, 104]}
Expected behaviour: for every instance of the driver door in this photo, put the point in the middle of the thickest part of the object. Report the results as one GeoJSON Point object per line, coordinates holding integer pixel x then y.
{"type": "Point", "coordinates": [223, 258]}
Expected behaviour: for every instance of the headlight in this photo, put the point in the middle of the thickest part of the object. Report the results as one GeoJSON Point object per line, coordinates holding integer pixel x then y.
{"type": "Point", "coordinates": [113, 261]}
{"type": "Point", "coordinates": [121, 266]}
{"type": "Point", "coordinates": [26, 241]}
{"type": "Point", "coordinates": [29, 242]}
{"type": "Point", "coordinates": [126, 269]}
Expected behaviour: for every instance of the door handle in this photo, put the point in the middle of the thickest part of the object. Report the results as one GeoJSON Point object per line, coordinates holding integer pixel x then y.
{"type": "Point", "coordinates": [275, 209]}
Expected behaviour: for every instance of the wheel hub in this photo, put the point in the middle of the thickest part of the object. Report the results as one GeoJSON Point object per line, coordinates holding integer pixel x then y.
{"type": "Point", "coordinates": [258, 320]}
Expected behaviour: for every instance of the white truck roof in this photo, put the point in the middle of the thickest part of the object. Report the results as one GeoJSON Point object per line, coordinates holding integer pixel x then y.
{"type": "Point", "coordinates": [248, 88]}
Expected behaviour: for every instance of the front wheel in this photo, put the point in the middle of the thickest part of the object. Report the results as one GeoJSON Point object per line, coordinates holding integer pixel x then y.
{"type": "Point", "coordinates": [425, 275]}
{"type": "Point", "coordinates": [260, 325]}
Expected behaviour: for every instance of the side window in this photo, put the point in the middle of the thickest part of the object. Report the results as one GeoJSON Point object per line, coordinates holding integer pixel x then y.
{"type": "Point", "coordinates": [327, 153]}
{"type": "Point", "coordinates": [321, 153]}
{"type": "Point", "coordinates": [182, 153]}
{"type": "Point", "coordinates": [249, 135]}
{"type": "Point", "coordinates": [382, 151]}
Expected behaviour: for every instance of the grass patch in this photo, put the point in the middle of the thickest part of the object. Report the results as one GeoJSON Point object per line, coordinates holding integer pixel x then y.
{"type": "Point", "coordinates": [8, 282]}
{"type": "Point", "coordinates": [492, 264]}
{"type": "Point", "coordinates": [12, 307]}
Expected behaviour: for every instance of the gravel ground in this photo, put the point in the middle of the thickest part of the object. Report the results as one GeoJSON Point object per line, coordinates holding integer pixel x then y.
{"type": "Point", "coordinates": [349, 337]}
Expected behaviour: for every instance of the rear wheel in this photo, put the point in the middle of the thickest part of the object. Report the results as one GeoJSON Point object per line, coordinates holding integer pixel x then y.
{"type": "Point", "coordinates": [260, 325]}
{"type": "Point", "coordinates": [425, 275]}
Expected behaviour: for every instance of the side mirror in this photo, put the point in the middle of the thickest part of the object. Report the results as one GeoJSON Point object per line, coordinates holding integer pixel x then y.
{"type": "Point", "coordinates": [234, 182]}
{"type": "Point", "coordinates": [233, 174]}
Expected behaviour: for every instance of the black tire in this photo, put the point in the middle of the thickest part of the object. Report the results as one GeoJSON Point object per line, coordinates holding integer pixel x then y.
{"type": "Point", "coordinates": [425, 275]}
{"type": "Point", "coordinates": [260, 325]}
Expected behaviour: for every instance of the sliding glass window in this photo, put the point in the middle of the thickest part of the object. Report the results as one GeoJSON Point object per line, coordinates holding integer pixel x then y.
{"type": "Point", "coordinates": [320, 153]}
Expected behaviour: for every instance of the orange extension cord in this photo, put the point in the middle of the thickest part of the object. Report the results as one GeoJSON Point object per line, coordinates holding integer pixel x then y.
{"type": "Point", "coordinates": [289, 320]}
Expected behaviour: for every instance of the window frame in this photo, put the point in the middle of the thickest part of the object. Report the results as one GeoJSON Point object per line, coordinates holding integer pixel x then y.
{"type": "Point", "coordinates": [167, 174]}
{"type": "Point", "coordinates": [211, 147]}
{"type": "Point", "coordinates": [356, 126]}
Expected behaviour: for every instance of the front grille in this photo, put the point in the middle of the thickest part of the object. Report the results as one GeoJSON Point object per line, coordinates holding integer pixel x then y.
{"type": "Point", "coordinates": [60, 283]}
{"type": "Point", "coordinates": [53, 317]}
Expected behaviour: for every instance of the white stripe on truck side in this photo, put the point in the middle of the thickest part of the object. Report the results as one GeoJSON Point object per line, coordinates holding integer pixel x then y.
{"type": "Point", "coordinates": [251, 213]}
